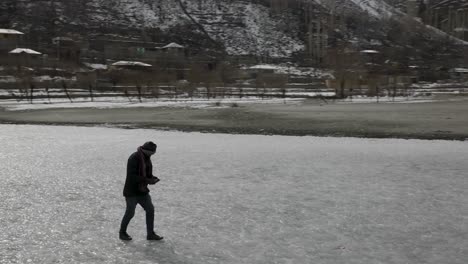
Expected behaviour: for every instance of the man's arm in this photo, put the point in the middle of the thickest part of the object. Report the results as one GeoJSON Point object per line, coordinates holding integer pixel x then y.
{"type": "Point", "coordinates": [153, 179]}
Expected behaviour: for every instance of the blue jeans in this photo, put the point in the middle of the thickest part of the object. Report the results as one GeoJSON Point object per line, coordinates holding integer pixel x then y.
{"type": "Point", "coordinates": [146, 203]}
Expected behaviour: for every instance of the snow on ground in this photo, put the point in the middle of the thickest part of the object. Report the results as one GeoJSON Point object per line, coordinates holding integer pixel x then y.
{"type": "Point", "coordinates": [233, 198]}
{"type": "Point", "coordinates": [390, 99]}
{"type": "Point", "coordinates": [293, 70]}
{"type": "Point", "coordinates": [7, 79]}
{"type": "Point", "coordinates": [439, 85]}
{"type": "Point", "coordinates": [45, 78]}
{"type": "Point", "coordinates": [122, 102]}
{"type": "Point", "coordinates": [109, 101]}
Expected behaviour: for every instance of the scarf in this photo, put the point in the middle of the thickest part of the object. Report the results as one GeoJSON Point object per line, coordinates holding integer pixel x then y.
{"type": "Point", "coordinates": [143, 167]}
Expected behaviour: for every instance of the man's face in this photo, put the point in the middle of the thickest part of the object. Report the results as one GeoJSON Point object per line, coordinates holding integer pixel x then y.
{"type": "Point", "coordinates": [148, 153]}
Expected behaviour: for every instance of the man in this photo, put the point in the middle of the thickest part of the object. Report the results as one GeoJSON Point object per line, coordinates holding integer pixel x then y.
{"type": "Point", "coordinates": [139, 175]}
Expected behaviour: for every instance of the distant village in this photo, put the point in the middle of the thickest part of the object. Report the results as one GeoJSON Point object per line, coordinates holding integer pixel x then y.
{"type": "Point", "coordinates": [134, 66]}
{"type": "Point", "coordinates": [138, 66]}
{"type": "Point", "coordinates": [93, 56]}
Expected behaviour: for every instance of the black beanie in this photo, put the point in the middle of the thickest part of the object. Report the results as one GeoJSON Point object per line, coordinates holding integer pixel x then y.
{"type": "Point", "coordinates": [149, 146]}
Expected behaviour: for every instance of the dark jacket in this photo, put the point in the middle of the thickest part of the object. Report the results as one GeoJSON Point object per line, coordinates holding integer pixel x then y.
{"type": "Point", "coordinates": [136, 183]}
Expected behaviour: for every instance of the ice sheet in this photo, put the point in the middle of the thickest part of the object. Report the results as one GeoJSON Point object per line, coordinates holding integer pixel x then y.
{"type": "Point", "coordinates": [232, 198]}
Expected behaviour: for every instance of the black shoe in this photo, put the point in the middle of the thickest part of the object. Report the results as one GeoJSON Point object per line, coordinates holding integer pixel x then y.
{"type": "Point", "coordinates": [153, 236]}
{"type": "Point", "coordinates": [124, 236]}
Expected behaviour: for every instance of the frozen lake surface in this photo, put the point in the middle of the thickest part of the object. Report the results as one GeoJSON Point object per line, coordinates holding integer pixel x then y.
{"type": "Point", "coordinates": [232, 198]}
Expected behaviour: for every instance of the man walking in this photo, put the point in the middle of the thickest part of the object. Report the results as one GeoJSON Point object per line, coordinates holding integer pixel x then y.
{"type": "Point", "coordinates": [139, 175]}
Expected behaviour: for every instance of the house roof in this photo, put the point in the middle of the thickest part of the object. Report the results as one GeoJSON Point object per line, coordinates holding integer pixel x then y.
{"type": "Point", "coordinates": [459, 70]}
{"type": "Point", "coordinates": [26, 51]}
{"type": "Point", "coordinates": [131, 63]}
{"type": "Point", "coordinates": [96, 66]}
{"type": "Point", "coordinates": [369, 51]}
{"type": "Point", "coordinates": [263, 67]}
{"type": "Point", "coordinates": [461, 29]}
{"type": "Point", "coordinates": [173, 45]}
{"type": "Point", "coordinates": [62, 39]}
{"type": "Point", "coordinates": [10, 31]}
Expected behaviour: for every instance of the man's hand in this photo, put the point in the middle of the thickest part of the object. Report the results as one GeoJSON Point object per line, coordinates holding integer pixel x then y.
{"type": "Point", "coordinates": [153, 180]}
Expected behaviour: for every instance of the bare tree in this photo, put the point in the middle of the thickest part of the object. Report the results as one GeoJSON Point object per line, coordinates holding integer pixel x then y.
{"type": "Point", "coordinates": [65, 89]}
{"type": "Point", "coordinates": [31, 92]}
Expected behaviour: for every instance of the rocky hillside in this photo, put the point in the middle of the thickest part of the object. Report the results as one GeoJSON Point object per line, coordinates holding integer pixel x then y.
{"type": "Point", "coordinates": [275, 28]}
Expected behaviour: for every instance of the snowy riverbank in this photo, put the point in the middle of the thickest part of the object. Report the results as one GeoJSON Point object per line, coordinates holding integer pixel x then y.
{"type": "Point", "coordinates": [426, 118]}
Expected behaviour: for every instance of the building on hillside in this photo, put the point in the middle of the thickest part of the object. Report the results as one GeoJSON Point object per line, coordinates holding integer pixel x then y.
{"type": "Point", "coordinates": [317, 40]}
{"type": "Point", "coordinates": [459, 73]}
{"type": "Point", "coordinates": [25, 57]}
{"type": "Point", "coordinates": [369, 56]}
{"type": "Point", "coordinates": [256, 70]}
{"type": "Point", "coordinates": [319, 36]}
{"type": "Point", "coordinates": [9, 39]}
{"type": "Point", "coordinates": [171, 55]}
{"type": "Point", "coordinates": [118, 49]}
{"type": "Point", "coordinates": [67, 49]}
{"type": "Point", "coordinates": [320, 25]}
{"type": "Point", "coordinates": [450, 16]}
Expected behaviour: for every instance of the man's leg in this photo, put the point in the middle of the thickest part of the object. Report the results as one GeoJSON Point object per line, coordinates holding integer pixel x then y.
{"type": "Point", "coordinates": [147, 204]}
{"type": "Point", "coordinates": [129, 213]}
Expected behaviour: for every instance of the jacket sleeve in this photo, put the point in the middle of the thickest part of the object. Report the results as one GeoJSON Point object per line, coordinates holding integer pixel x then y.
{"type": "Point", "coordinates": [153, 179]}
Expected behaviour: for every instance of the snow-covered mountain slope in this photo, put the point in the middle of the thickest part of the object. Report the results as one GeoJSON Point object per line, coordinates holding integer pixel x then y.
{"type": "Point", "coordinates": [376, 8]}
{"type": "Point", "coordinates": [241, 27]}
